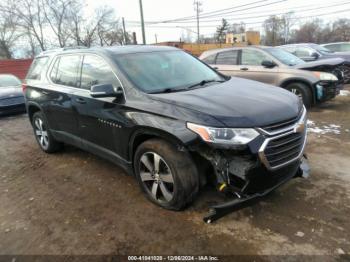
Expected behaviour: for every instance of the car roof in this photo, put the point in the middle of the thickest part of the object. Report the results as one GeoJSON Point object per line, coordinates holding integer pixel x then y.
{"type": "Point", "coordinates": [337, 43]}
{"type": "Point", "coordinates": [214, 51]}
{"type": "Point", "coordinates": [128, 49]}
{"type": "Point", "coordinates": [8, 75]}
{"type": "Point", "coordinates": [299, 44]}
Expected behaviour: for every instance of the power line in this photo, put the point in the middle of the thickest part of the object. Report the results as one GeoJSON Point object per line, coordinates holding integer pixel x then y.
{"type": "Point", "coordinates": [203, 15]}
{"type": "Point", "coordinates": [244, 9]}
{"type": "Point", "coordinates": [257, 22]}
{"type": "Point", "coordinates": [266, 15]}
{"type": "Point", "coordinates": [216, 11]}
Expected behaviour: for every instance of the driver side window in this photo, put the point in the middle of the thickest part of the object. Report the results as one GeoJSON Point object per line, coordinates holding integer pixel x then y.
{"type": "Point", "coordinates": [95, 71]}
{"type": "Point", "coordinates": [303, 52]}
{"type": "Point", "coordinates": [253, 57]}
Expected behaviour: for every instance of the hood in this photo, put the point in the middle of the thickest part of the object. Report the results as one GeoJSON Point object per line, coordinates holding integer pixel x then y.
{"type": "Point", "coordinates": [237, 103]}
{"type": "Point", "coordinates": [345, 56]}
{"type": "Point", "coordinates": [7, 92]}
{"type": "Point", "coordinates": [330, 62]}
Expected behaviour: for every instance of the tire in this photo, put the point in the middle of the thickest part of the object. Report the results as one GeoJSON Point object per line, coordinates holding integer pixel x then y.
{"type": "Point", "coordinates": [303, 91]}
{"type": "Point", "coordinates": [175, 184]}
{"type": "Point", "coordinates": [43, 135]}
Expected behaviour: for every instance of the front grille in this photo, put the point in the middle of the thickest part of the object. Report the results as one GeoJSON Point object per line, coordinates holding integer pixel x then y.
{"type": "Point", "coordinates": [281, 125]}
{"type": "Point", "coordinates": [284, 149]}
{"type": "Point", "coordinates": [12, 101]}
{"type": "Point", "coordinates": [339, 74]}
{"type": "Point", "coordinates": [284, 142]}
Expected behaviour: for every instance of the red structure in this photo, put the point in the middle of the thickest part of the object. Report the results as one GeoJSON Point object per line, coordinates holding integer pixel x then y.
{"type": "Point", "coordinates": [17, 67]}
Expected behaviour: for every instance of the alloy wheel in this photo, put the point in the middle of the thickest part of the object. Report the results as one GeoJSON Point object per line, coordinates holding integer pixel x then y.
{"type": "Point", "coordinates": [41, 133]}
{"type": "Point", "coordinates": [156, 176]}
{"type": "Point", "coordinates": [297, 92]}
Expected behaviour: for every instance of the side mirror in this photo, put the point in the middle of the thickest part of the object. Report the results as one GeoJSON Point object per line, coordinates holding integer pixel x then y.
{"type": "Point", "coordinates": [106, 90]}
{"type": "Point", "coordinates": [268, 64]}
{"type": "Point", "coordinates": [315, 55]}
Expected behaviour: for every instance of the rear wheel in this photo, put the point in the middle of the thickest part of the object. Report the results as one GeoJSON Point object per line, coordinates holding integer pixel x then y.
{"type": "Point", "coordinates": [167, 176]}
{"type": "Point", "coordinates": [43, 135]}
{"type": "Point", "coordinates": [302, 91]}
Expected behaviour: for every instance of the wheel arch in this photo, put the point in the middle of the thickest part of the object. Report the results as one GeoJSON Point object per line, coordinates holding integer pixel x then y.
{"type": "Point", "coordinates": [289, 81]}
{"type": "Point", "coordinates": [32, 108]}
{"type": "Point", "coordinates": [143, 134]}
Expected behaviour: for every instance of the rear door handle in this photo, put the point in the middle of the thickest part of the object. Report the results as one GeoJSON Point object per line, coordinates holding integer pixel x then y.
{"type": "Point", "coordinates": [244, 68]}
{"type": "Point", "coordinates": [80, 101]}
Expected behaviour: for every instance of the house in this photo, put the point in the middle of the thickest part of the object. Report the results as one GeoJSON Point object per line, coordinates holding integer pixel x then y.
{"type": "Point", "coordinates": [248, 37]}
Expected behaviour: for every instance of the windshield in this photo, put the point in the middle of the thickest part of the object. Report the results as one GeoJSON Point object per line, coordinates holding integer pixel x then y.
{"type": "Point", "coordinates": [284, 56]}
{"type": "Point", "coordinates": [163, 71]}
{"type": "Point", "coordinates": [9, 80]}
{"type": "Point", "coordinates": [322, 49]}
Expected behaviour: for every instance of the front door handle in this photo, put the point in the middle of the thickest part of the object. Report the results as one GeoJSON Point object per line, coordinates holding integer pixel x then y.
{"type": "Point", "coordinates": [80, 101]}
{"type": "Point", "coordinates": [244, 68]}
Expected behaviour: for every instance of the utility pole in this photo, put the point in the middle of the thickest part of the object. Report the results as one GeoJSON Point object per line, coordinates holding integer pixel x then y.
{"type": "Point", "coordinates": [142, 24]}
{"type": "Point", "coordinates": [155, 36]}
{"type": "Point", "coordinates": [197, 5]}
{"type": "Point", "coordinates": [124, 32]}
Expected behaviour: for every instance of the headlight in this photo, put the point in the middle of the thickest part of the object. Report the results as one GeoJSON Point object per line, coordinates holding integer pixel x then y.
{"type": "Point", "coordinates": [323, 76]}
{"type": "Point", "coordinates": [231, 136]}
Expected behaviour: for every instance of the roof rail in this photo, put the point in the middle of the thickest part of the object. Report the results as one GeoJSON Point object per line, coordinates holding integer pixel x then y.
{"type": "Point", "coordinates": [74, 47]}
{"type": "Point", "coordinates": [62, 49]}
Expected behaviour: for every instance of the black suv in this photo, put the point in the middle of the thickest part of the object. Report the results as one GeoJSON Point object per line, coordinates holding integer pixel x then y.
{"type": "Point", "coordinates": [169, 119]}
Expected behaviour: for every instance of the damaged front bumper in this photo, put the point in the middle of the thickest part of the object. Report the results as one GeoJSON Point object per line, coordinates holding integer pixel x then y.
{"type": "Point", "coordinates": [268, 161]}
{"type": "Point", "coordinates": [327, 90]}
{"type": "Point", "coordinates": [299, 169]}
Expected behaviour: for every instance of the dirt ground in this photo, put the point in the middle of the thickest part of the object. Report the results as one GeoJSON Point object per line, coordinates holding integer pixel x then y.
{"type": "Point", "coordinates": [75, 203]}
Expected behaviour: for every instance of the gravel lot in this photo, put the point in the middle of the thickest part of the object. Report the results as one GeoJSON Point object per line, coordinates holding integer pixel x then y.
{"type": "Point", "coordinates": [76, 203]}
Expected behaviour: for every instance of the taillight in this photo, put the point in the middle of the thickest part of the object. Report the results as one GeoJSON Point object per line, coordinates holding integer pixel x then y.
{"type": "Point", "coordinates": [24, 86]}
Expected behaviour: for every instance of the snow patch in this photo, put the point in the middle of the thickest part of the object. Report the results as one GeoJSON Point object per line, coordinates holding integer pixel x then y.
{"type": "Point", "coordinates": [344, 93]}
{"type": "Point", "coordinates": [325, 129]}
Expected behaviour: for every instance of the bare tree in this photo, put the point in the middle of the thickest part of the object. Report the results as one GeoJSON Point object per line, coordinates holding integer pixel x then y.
{"type": "Point", "coordinates": [238, 28]}
{"type": "Point", "coordinates": [100, 29]}
{"type": "Point", "coordinates": [341, 29]}
{"type": "Point", "coordinates": [288, 21]}
{"type": "Point", "coordinates": [8, 34]}
{"type": "Point", "coordinates": [273, 30]}
{"type": "Point", "coordinates": [57, 15]}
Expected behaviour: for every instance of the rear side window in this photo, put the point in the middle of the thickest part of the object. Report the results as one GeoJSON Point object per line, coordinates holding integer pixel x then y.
{"type": "Point", "coordinates": [209, 59]}
{"type": "Point", "coordinates": [253, 57]}
{"type": "Point", "coordinates": [65, 70]}
{"type": "Point", "coordinates": [96, 71]}
{"type": "Point", "coordinates": [37, 67]}
{"type": "Point", "coordinates": [227, 58]}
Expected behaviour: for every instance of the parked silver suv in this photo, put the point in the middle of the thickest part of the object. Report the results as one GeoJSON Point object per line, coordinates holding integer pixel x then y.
{"type": "Point", "coordinates": [317, 82]}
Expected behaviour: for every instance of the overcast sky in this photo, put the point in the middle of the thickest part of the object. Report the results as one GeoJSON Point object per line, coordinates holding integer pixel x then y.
{"type": "Point", "coordinates": [160, 10]}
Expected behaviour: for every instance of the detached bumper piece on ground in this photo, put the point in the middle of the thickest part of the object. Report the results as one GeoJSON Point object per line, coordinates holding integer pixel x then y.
{"type": "Point", "coordinates": [272, 181]}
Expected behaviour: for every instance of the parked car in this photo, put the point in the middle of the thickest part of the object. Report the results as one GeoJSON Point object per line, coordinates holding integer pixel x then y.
{"type": "Point", "coordinates": [279, 68]}
{"type": "Point", "coordinates": [168, 119]}
{"type": "Point", "coordinates": [342, 47]}
{"type": "Point", "coordinates": [312, 52]}
{"type": "Point", "coordinates": [11, 96]}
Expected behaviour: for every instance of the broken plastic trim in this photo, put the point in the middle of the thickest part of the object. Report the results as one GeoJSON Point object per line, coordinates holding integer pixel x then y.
{"type": "Point", "coordinates": [218, 211]}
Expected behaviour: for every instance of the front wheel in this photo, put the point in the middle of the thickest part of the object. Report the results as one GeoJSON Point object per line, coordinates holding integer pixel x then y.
{"type": "Point", "coordinates": [167, 176]}
{"type": "Point", "coordinates": [302, 91]}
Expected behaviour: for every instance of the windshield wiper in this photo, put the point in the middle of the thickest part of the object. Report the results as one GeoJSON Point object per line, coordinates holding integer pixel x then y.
{"type": "Point", "coordinates": [203, 82]}
{"type": "Point", "coordinates": [167, 90]}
